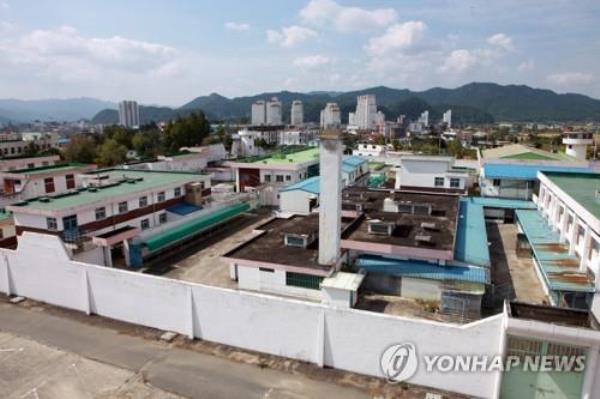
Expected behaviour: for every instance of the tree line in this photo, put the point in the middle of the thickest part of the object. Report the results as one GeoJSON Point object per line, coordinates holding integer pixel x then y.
{"type": "Point", "coordinates": [112, 145]}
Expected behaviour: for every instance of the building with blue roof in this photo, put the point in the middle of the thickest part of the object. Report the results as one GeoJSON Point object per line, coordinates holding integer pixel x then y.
{"type": "Point", "coordinates": [303, 196]}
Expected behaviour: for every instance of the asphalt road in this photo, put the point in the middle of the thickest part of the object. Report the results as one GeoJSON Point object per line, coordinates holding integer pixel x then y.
{"type": "Point", "coordinates": [178, 371]}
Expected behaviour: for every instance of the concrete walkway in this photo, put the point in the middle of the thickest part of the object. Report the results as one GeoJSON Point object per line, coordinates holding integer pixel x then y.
{"type": "Point", "coordinates": [152, 369]}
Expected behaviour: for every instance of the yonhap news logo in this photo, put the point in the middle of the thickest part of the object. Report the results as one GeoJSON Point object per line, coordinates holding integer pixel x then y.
{"type": "Point", "coordinates": [399, 362]}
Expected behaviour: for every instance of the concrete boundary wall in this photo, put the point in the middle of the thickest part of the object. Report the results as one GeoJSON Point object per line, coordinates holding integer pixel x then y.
{"type": "Point", "coordinates": [346, 339]}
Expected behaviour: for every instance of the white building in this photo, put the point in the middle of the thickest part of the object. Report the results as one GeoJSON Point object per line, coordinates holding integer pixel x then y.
{"type": "Point", "coordinates": [23, 184]}
{"type": "Point", "coordinates": [576, 144]}
{"type": "Point", "coordinates": [297, 113]}
{"type": "Point", "coordinates": [431, 174]}
{"type": "Point", "coordinates": [370, 150]}
{"type": "Point", "coordinates": [9, 164]}
{"type": "Point", "coordinates": [183, 162]}
{"type": "Point", "coordinates": [331, 116]}
{"type": "Point", "coordinates": [258, 113]}
{"type": "Point", "coordinates": [447, 118]}
{"type": "Point", "coordinates": [297, 137]}
{"type": "Point", "coordinates": [351, 119]}
{"type": "Point", "coordinates": [366, 111]}
{"type": "Point", "coordinates": [113, 207]}
{"type": "Point", "coordinates": [129, 114]}
{"type": "Point", "coordinates": [568, 221]}
{"type": "Point", "coordinates": [273, 114]}
{"type": "Point", "coordinates": [424, 118]}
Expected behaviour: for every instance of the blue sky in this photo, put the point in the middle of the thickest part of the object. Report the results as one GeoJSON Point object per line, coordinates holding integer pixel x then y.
{"type": "Point", "coordinates": [168, 52]}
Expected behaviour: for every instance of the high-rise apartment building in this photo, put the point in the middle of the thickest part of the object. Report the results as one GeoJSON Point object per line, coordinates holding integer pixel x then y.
{"type": "Point", "coordinates": [129, 114]}
{"type": "Point", "coordinates": [447, 118]}
{"type": "Point", "coordinates": [366, 111]}
{"type": "Point", "coordinates": [274, 112]}
{"type": "Point", "coordinates": [297, 113]}
{"type": "Point", "coordinates": [258, 113]}
{"type": "Point", "coordinates": [331, 116]}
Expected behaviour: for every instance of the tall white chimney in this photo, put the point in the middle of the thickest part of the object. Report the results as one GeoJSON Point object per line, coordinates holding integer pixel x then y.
{"type": "Point", "coordinates": [330, 198]}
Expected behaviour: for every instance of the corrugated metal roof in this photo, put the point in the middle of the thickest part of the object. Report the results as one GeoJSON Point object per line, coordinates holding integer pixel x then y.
{"type": "Point", "coordinates": [471, 245]}
{"type": "Point", "coordinates": [559, 268]}
{"type": "Point", "coordinates": [424, 270]}
{"type": "Point", "coordinates": [354, 160]}
{"type": "Point", "coordinates": [310, 185]}
{"type": "Point", "coordinates": [193, 226]}
{"type": "Point", "coordinates": [526, 171]}
{"type": "Point", "coordinates": [493, 202]}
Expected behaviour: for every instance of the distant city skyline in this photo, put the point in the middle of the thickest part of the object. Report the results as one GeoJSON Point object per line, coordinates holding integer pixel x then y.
{"type": "Point", "coordinates": [173, 52]}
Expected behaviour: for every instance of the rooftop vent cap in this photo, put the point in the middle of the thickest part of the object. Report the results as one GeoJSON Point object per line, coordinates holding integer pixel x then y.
{"type": "Point", "coordinates": [423, 238]}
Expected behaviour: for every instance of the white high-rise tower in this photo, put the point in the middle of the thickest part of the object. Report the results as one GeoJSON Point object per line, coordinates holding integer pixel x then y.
{"type": "Point", "coordinates": [366, 111]}
{"type": "Point", "coordinates": [331, 116]}
{"type": "Point", "coordinates": [258, 113]}
{"type": "Point", "coordinates": [129, 114]}
{"type": "Point", "coordinates": [297, 113]}
{"type": "Point", "coordinates": [447, 118]}
{"type": "Point", "coordinates": [274, 112]}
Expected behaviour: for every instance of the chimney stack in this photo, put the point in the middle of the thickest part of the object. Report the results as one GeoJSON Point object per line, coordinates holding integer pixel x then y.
{"type": "Point", "coordinates": [330, 198]}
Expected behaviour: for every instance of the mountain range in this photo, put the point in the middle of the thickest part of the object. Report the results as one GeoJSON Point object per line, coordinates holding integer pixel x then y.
{"type": "Point", "coordinates": [471, 103]}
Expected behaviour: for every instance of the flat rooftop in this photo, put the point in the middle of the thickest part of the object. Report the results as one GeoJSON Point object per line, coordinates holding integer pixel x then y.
{"type": "Point", "coordinates": [520, 152]}
{"type": "Point", "coordinates": [120, 182]}
{"type": "Point", "coordinates": [529, 171]}
{"type": "Point", "coordinates": [441, 222]}
{"type": "Point", "coordinates": [269, 246]}
{"type": "Point", "coordinates": [296, 157]}
{"type": "Point", "coordinates": [581, 187]}
{"type": "Point", "coordinates": [50, 169]}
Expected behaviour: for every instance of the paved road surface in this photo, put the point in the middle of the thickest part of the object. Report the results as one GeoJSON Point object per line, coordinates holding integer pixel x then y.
{"type": "Point", "coordinates": [181, 372]}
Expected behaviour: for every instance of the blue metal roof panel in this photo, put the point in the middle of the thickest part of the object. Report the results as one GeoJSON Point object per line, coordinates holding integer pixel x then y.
{"type": "Point", "coordinates": [420, 269]}
{"type": "Point", "coordinates": [471, 244]}
{"type": "Point", "coordinates": [310, 185]}
{"type": "Point", "coordinates": [559, 268]}
{"type": "Point", "coordinates": [354, 160]}
{"type": "Point", "coordinates": [526, 172]}
{"type": "Point", "coordinates": [493, 202]}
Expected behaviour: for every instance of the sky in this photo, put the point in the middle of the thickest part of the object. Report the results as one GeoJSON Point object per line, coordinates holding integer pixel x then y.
{"type": "Point", "coordinates": [169, 52]}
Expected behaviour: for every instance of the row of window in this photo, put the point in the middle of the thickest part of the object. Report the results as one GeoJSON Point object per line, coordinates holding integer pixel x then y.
{"type": "Point", "coordinates": [52, 224]}
{"type": "Point", "coordinates": [123, 207]}
{"type": "Point", "coordinates": [49, 183]}
{"type": "Point", "coordinates": [440, 181]}
{"type": "Point", "coordinates": [21, 149]}
{"type": "Point", "coordinates": [278, 178]}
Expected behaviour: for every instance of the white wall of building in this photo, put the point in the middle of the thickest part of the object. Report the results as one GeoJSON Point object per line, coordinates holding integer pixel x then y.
{"type": "Point", "coordinates": [296, 201]}
{"type": "Point", "coordinates": [369, 150]}
{"type": "Point", "coordinates": [253, 279]}
{"type": "Point", "coordinates": [423, 171]}
{"type": "Point", "coordinates": [346, 339]}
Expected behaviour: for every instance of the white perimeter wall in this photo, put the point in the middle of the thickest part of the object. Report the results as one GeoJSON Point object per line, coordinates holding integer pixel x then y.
{"type": "Point", "coordinates": [347, 339]}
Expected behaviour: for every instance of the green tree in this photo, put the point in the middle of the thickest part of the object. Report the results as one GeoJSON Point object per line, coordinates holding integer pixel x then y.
{"type": "Point", "coordinates": [111, 153]}
{"type": "Point", "coordinates": [81, 148]}
{"type": "Point", "coordinates": [147, 144]}
{"type": "Point", "coordinates": [186, 132]}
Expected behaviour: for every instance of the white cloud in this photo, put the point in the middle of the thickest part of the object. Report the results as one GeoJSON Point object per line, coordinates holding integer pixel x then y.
{"type": "Point", "coordinates": [346, 19]}
{"type": "Point", "coordinates": [526, 66]}
{"type": "Point", "coordinates": [290, 36]}
{"type": "Point", "coordinates": [459, 61]}
{"type": "Point", "coordinates": [237, 26]}
{"type": "Point", "coordinates": [571, 78]}
{"type": "Point", "coordinates": [397, 37]}
{"type": "Point", "coordinates": [311, 61]}
{"type": "Point", "coordinates": [501, 40]}
{"type": "Point", "coordinates": [66, 54]}
{"type": "Point", "coordinates": [4, 4]}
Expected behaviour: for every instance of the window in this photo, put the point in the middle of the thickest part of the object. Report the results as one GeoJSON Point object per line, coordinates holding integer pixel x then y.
{"type": "Point", "coordinates": [143, 201]}
{"type": "Point", "coordinates": [288, 177]}
{"type": "Point", "coordinates": [145, 224]}
{"type": "Point", "coordinates": [51, 224]}
{"type": "Point", "coordinates": [279, 178]}
{"type": "Point", "coordinates": [30, 165]}
{"type": "Point", "coordinates": [267, 178]}
{"type": "Point", "coordinates": [123, 207]}
{"type": "Point", "coordinates": [439, 182]}
{"type": "Point", "coordinates": [49, 184]}
{"type": "Point", "coordinates": [160, 197]}
{"type": "Point", "coordinates": [70, 180]}
{"type": "Point", "coordinates": [177, 191]}
{"type": "Point", "coordinates": [496, 182]}
{"type": "Point", "coordinates": [100, 213]}
{"type": "Point", "coordinates": [45, 163]}
{"type": "Point", "coordinates": [303, 280]}
{"type": "Point", "coordinates": [162, 218]}
{"type": "Point", "coordinates": [295, 241]}
{"type": "Point", "coordinates": [266, 270]}
{"type": "Point", "coordinates": [454, 182]}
